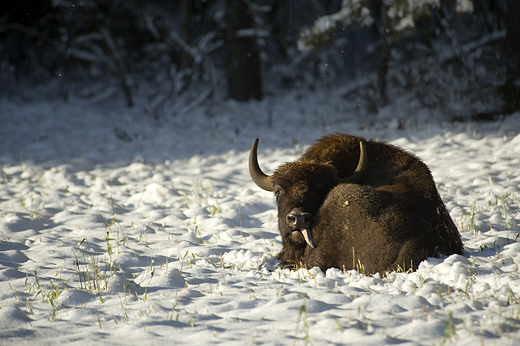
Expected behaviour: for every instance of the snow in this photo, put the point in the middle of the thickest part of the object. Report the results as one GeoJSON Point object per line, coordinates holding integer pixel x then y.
{"type": "Point", "coordinates": [464, 6]}
{"type": "Point", "coordinates": [117, 231]}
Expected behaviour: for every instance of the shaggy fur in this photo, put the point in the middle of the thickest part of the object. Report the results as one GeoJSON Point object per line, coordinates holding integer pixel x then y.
{"type": "Point", "coordinates": [392, 217]}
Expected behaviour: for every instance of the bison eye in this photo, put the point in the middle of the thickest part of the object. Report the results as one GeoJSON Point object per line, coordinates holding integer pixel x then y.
{"type": "Point", "coordinates": [278, 191]}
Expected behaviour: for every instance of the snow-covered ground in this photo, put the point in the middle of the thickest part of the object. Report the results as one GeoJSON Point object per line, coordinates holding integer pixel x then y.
{"type": "Point", "coordinates": [117, 231]}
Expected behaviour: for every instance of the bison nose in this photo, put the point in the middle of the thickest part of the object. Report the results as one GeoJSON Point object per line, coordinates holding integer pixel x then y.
{"type": "Point", "coordinates": [298, 220]}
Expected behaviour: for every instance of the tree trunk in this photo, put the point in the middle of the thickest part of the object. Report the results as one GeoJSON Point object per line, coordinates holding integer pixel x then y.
{"type": "Point", "coordinates": [382, 69]}
{"type": "Point", "coordinates": [187, 61]}
{"type": "Point", "coordinates": [511, 89]}
{"type": "Point", "coordinates": [244, 79]}
{"type": "Point", "coordinates": [283, 30]}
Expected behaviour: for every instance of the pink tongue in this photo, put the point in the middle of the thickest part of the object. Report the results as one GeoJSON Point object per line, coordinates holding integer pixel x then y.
{"type": "Point", "coordinates": [306, 237]}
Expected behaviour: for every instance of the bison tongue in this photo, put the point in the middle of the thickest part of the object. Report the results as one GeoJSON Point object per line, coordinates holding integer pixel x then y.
{"type": "Point", "coordinates": [307, 235]}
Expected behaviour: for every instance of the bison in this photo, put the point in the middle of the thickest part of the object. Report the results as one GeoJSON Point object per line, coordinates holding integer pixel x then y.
{"type": "Point", "coordinates": [350, 203]}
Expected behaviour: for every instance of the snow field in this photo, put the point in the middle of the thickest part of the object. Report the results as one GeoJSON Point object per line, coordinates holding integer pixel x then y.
{"type": "Point", "coordinates": [162, 249]}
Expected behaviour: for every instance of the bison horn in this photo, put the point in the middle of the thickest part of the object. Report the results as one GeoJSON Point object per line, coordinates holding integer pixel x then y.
{"type": "Point", "coordinates": [260, 178]}
{"type": "Point", "coordinates": [361, 167]}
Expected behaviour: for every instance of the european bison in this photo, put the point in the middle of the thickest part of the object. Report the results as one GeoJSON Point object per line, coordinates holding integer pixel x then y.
{"type": "Point", "coordinates": [350, 203]}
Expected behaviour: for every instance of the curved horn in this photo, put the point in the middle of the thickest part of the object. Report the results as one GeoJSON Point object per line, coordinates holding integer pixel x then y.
{"type": "Point", "coordinates": [260, 178]}
{"type": "Point", "coordinates": [361, 167]}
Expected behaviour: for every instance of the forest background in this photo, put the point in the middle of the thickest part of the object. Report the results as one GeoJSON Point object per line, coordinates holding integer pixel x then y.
{"type": "Point", "coordinates": [460, 57]}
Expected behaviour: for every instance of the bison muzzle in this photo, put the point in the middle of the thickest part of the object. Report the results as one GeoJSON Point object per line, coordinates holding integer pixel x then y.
{"type": "Point", "coordinates": [350, 203]}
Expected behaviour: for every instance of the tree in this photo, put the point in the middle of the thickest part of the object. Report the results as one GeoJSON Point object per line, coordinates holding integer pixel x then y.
{"type": "Point", "coordinates": [187, 60]}
{"type": "Point", "coordinates": [396, 19]}
{"type": "Point", "coordinates": [511, 89]}
{"type": "Point", "coordinates": [243, 70]}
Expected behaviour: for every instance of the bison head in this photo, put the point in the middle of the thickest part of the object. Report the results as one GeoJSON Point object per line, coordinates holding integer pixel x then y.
{"type": "Point", "coordinates": [300, 188]}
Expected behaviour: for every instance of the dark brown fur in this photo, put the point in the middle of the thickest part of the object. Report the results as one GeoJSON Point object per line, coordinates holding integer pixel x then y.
{"type": "Point", "coordinates": [392, 217]}
{"type": "Point", "coordinates": [300, 186]}
{"type": "Point", "coordinates": [372, 229]}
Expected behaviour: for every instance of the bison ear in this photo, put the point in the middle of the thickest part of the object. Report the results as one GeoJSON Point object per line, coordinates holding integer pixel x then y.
{"type": "Point", "coordinates": [361, 167]}
{"type": "Point", "coordinates": [262, 180]}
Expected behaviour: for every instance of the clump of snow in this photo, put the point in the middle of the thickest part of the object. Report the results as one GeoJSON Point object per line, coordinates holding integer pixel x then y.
{"type": "Point", "coordinates": [464, 6]}
{"type": "Point", "coordinates": [164, 238]}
